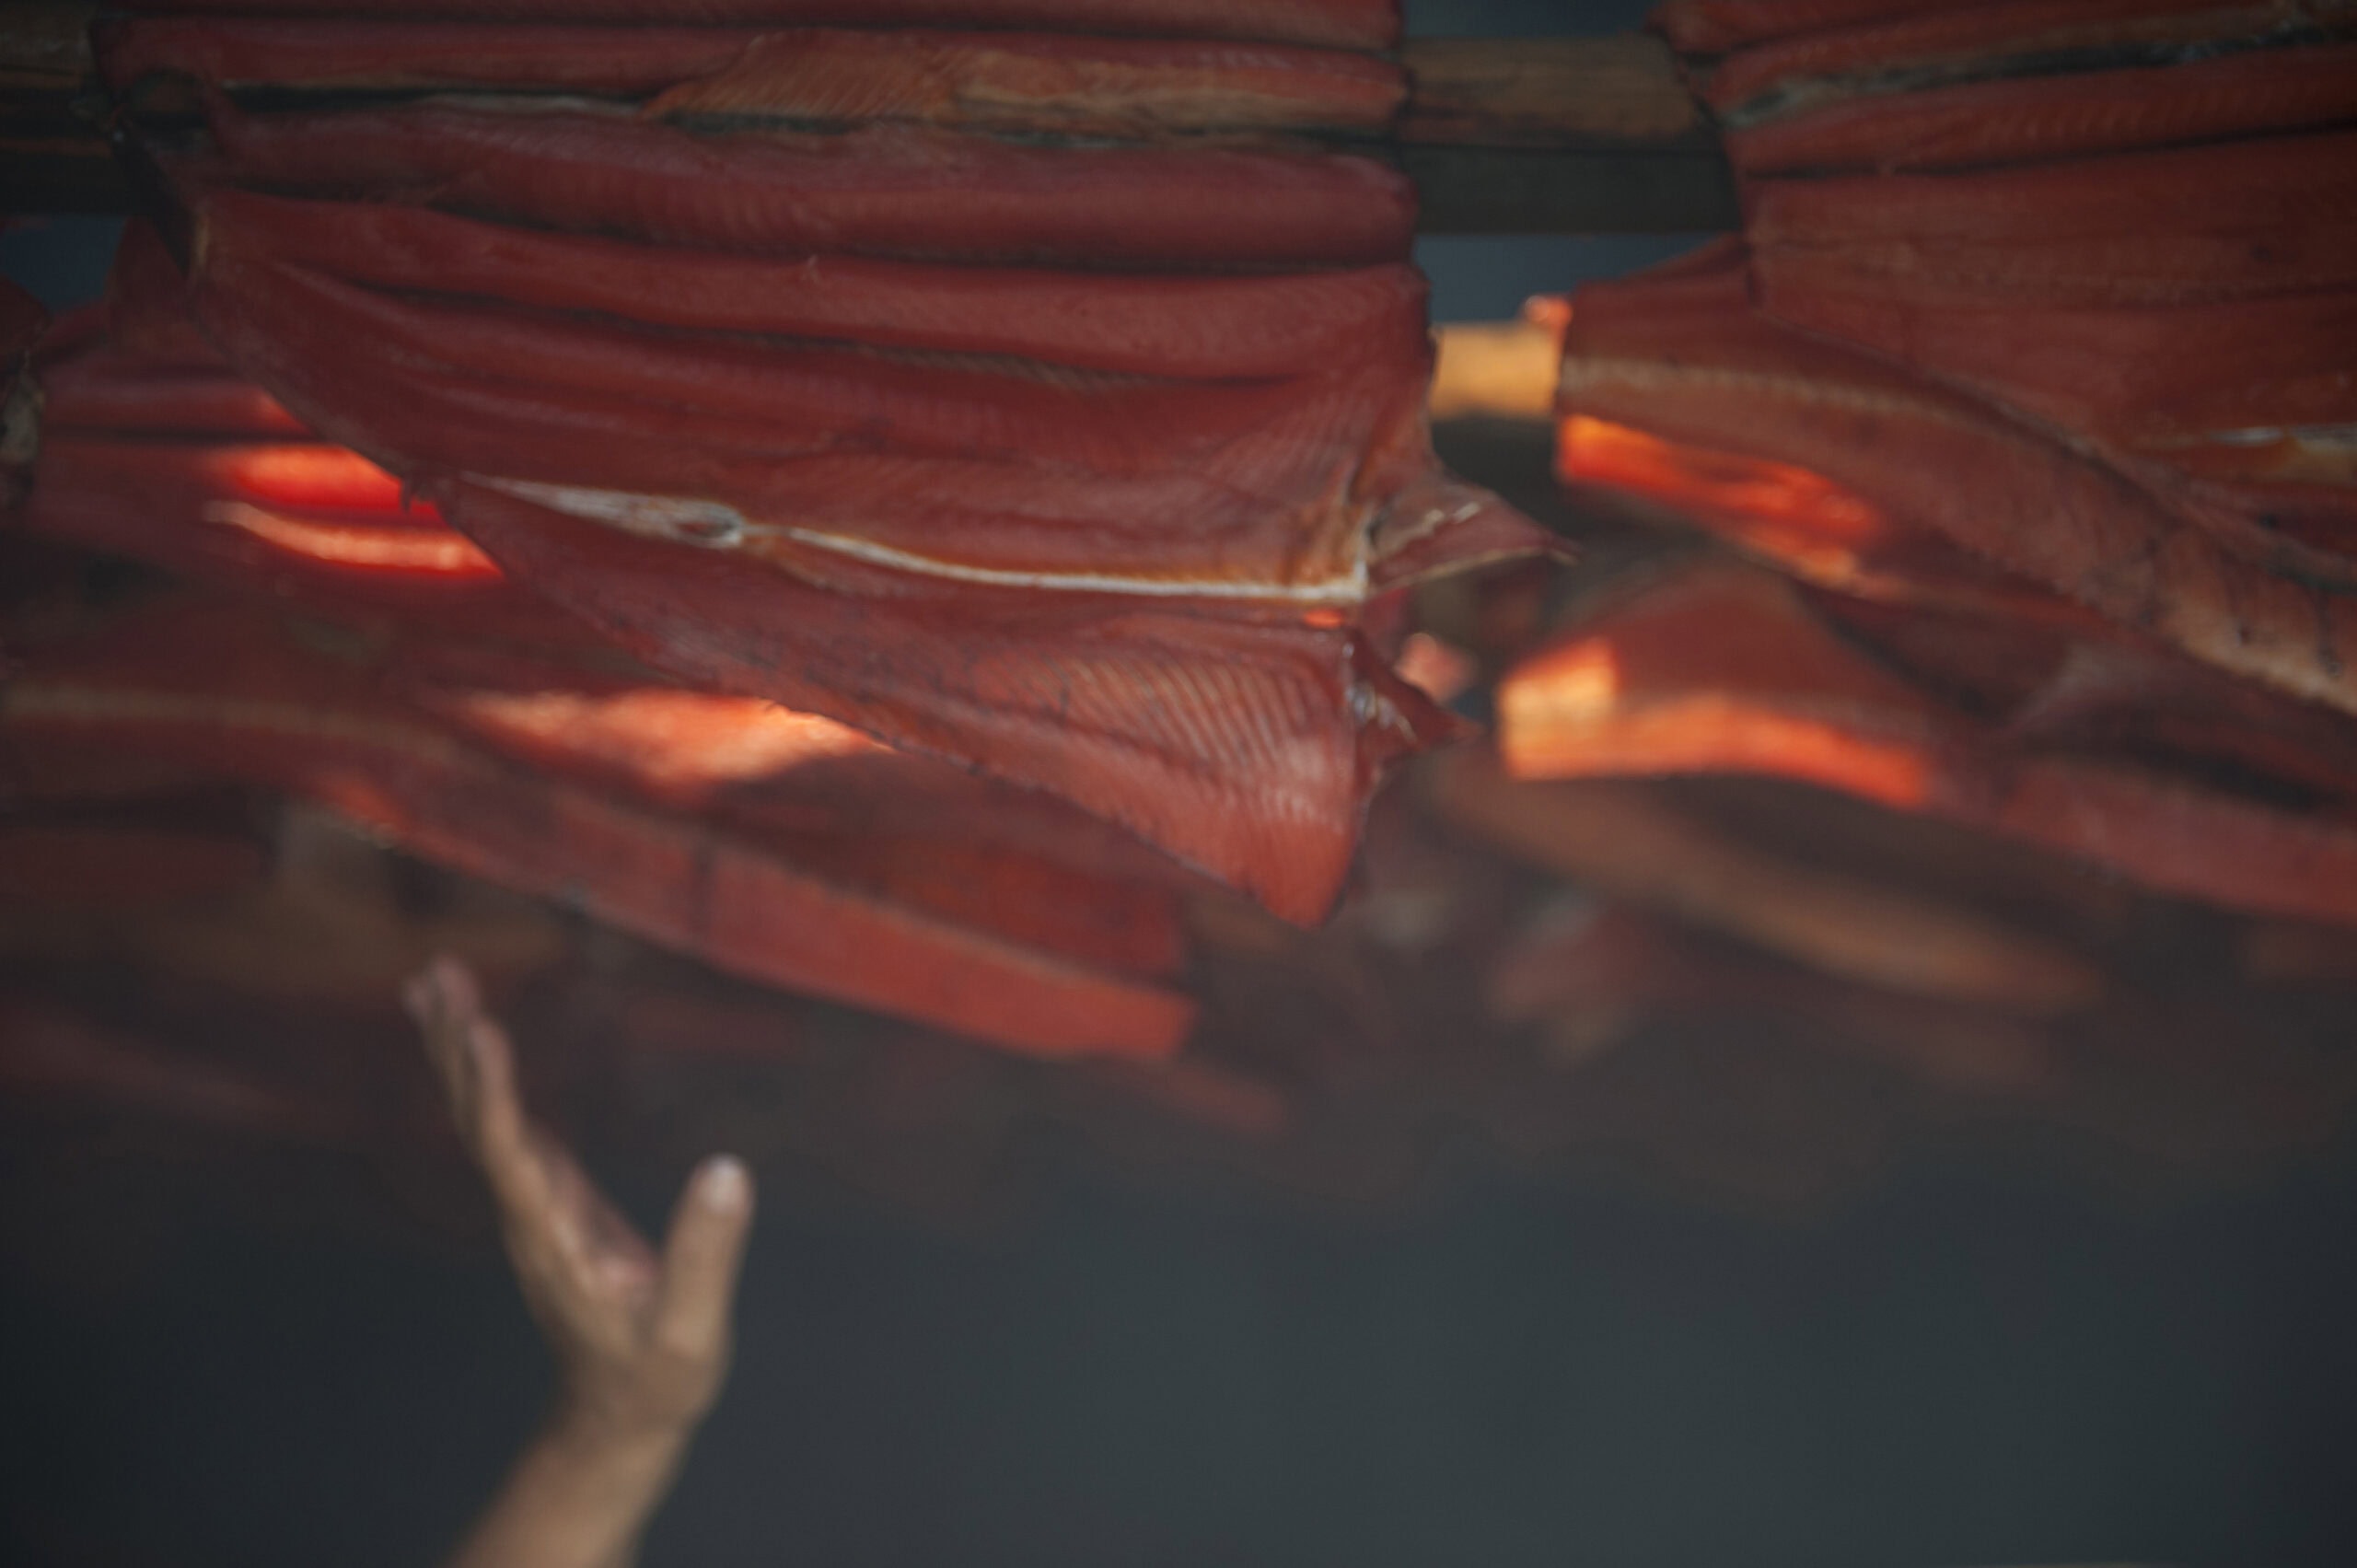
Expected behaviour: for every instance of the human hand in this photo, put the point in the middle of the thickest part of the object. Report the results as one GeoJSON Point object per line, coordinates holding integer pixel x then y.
{"type": "Point", "coordinates": [643, 1340]}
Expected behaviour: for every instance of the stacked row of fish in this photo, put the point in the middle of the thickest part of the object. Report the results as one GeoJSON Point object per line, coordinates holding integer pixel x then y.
{"type": "Point", "coordinates": [2030, 394]}
{"type": "Point", "coordinates": [1043, 398]}
{"type": "Point", "coordinates": [367, 658]}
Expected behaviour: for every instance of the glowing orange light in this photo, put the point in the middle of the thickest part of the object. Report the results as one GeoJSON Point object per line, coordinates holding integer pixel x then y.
{"type": "Point", "coordinates": [1793, 503]}
{"type": "Point", "coordinates": [1431, 666]}
{"type": "Point", "coordinates": [347, 544]}
{"type": "Point", "coordinates": [312, 474]}
{"type": "Point", "coordinates": [682, 745]}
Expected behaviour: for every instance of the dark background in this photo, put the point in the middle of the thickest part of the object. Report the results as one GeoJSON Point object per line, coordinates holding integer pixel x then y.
{"type": "Point", "coordinates": [1973, 1359]}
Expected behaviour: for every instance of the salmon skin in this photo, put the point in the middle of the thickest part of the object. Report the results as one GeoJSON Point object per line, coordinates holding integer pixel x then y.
{"type": "Point", "coordinates": [1337, 24]}
{"type": "Point", "coordinates": [1275, 491]}
{"type": "Point", "coordinates": [189, 506]}
{"type": "Point", "coordinates": [1005, 82]}
{"type": "Point", "coordinates": [1072, 461]}
{"type": "Point", "coordinates": [1245, 746]}
{"type": "Point", "coordinates": [1714, 26]}
{"type": "Point", "coordinates": [2018, 120]}
{"type": "Point", "coordinates": [1197, 326]}
{"type": "Point", "coordinates": [1685, 355]}
{"type": "Point", "coordinates": [318, 527]}
{"type": "Point", "coordinates": [2134, 378]}
{"type": "Point", "coordinates": [215, 691]}
{"type": "Point", "coordinates": [1009, 862]}
{"type": "Point", "coordinates": [2002, 648]}
{"type": "Point", "coordinates": [1627, 842]}
{"type": "Point", "coordinates": [2199, 345]}
{"type": "Point", "coordinates": [1620, 963]}
{"type": "Point", "coordinates": [879, 190]}
{"type": "Point", "coordinates": [319, 53]}
{"type": "Point", "coordinates": [1167, 679]}
{"type": "Point", "coordinates": [1072, 86]}
{"type": "Point", "coordinates": [2238, 220]}
{"type": "Point", "coordinates": [1932, 46]}
{"type": "Point", "coordinates": [1796, 520]}
{"type": "Point", "coordinates": [1720, 668]}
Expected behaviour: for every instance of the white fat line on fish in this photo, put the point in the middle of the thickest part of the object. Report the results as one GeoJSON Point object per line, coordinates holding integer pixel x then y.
{"type": "Point", "coordinates": [2267, 434]}
{"type": "Point", "coordinates": [715, 525]}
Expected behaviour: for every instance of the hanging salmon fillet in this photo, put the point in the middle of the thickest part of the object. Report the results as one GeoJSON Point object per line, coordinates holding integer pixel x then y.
{"type": "Point", "coordinates": [1793, 519]}
{"type": "Point", "coordinates": [1242, 745]}
{"type": "Point", "coordinates": [1617, 840]}
{"type": "Point", "coordinates": [1719, 668]}
{"type": "Point", "coordinates": [2019, 119]}
{"type": "Point", "coordinates": [2233, 221]}
{"type": "Point", "coordinates": [1012, 82]}
{"type": "Point", "coordinates": [215, 689]}
{"type": "Point", "coordinates": [451, 646]}
{"type": "Point", "coordinates": [1904, 49]}
{"type": "Point", "coordinates": [1185, 326]}
{"type": "Point", "coordinates": [1070, 459]}
{"type": "Point", "coordinates": [1714, 27]}
{"type": "Point", "coordinates": [877, 189]}
{"type": "Point", "coordinates": [1337, 24]}
{"type": "Point", "coordinates": [1684, 355]}
{"type": "Point", "coordinates": [2040, 666]}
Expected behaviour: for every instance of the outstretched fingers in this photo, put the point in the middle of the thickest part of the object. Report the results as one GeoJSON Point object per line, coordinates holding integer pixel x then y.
{"type": "Point", "coordinates": [701, 1259]}
{"type": "Point", "coordinates": [645, 1340]}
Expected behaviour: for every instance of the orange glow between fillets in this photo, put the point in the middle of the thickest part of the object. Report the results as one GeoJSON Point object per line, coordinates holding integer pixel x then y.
{"type": "Point", "coordinates": [437, 551]}
{"type": "Point", "coordinates": [1758, 493]}
{"type": "Point", "coordinates": [1720, 673]}
{"type": "Point", "coordinates": [314, 475]}
{"type": "Point", "coordinates": [680, 746]}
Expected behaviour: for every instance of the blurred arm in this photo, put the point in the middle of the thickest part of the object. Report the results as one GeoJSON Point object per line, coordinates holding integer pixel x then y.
{"type": "Point", "coordinates": [642, 1339]}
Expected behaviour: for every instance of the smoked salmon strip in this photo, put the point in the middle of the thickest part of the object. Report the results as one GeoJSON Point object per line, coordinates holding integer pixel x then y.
{"type": "Point", "coordinates": [2136, 379]}
{"type": "Point", "coordinates": [1245, 746]}
{"type": "Point", "coordinates": [1195, 326]}
{"type": "Point", "coordinates": [334, 54]}
{"type": "Point", "coordinates": [319, 528]}
{"type": "Point", "coordinates": [1910, 47]}
{"type": "Point", "coordinates": [189, 506]}
{"type": "Point", "coordinates": [947, 383]}
{"type": "Point", "coordinates": [1684, 355]}
{"type": "Point", "coordinates": [1621, 841]}
{"type": "Point", "coordinates": [2023, 119]}
{"type": "Point", "coordinates": [1337, 24]}
{"type": "Point", "coordinates": [1040, 83]}
{"type": "Point", "coordinates": [2188, 226]}
{"type": "Point", "coordinates": [2040, 665]}
{"type": "Point", "coordinates": [1721, 668]}
{"type": "Point", "coordinates": [1619, 968]}
{"type": "Point", "coordinates": [1714, 26]}
{"type": "Point", "coordinates": [1046, 84]}
{"type": "Point", "coordinates": [881, 190]}
{"type": "Point", "coordinates": [971, 471]}
{"type": "Point", "coordinates": [212, 691]}
{"type": "Point", "coordinates": [1793, 519]}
